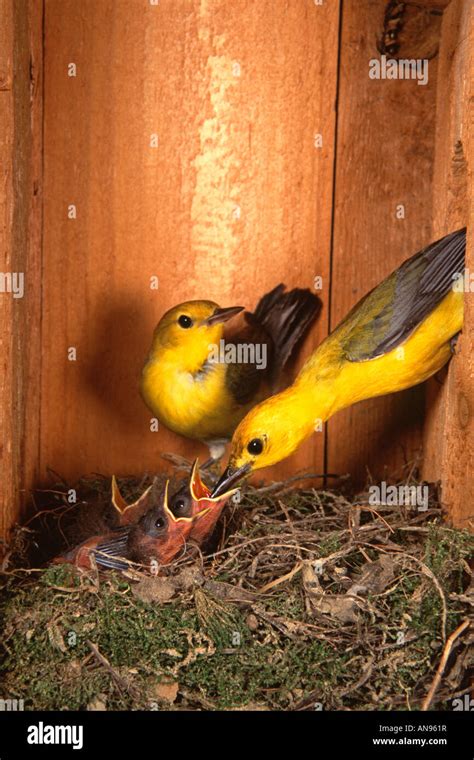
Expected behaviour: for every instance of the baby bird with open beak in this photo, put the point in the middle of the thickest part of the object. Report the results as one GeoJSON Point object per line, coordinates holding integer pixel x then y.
{"type": "Point", "coordinates": [155, 528]}
{"type": "Point", "coordinates": [160, 536]}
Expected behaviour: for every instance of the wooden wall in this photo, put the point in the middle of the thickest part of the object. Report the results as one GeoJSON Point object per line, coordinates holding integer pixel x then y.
{"type": "Point", "coordinates": [449, 429]}
{"type": "Point", "coordinates": [20, 250]}
{"type": "Point", "coordinates": [235, 198]}
{"type": "Point", "coordinates": [384, 160]}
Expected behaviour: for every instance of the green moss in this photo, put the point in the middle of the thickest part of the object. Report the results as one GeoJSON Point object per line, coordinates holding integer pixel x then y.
{"type": "Point", "coordinates": [128, 633]}
{"type": "Point", "coordinates": [56, 621]}
{"type": "Point", "coordinates": [329, 545]}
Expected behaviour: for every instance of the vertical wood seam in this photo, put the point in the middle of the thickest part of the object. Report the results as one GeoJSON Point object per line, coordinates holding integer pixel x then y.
{"type": "Point", "coordinates": [333, 212]}
{"type": "Point", "coordinates": [41, 243]}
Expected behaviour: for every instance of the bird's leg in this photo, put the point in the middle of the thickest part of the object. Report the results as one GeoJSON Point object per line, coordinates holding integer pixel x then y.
{"type": "Point", "coordinates": [453, 342]}
{"type": "Point", "coordinates": [211, 465]}
{"type": "Point", "coordinates": [212, 472]}
{"type": "Point", "coordinates": [207, 464]}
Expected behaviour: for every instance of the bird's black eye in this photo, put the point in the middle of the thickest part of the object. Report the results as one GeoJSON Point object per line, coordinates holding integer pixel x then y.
{"type": "Point", "coordinates": [159, 523]}
{"type": "Point", "coordinates": [255, 446]}
{"type": "Point", "coordinates": [179, 505]}
{"type": "Point", "coordinates": [185, 321]}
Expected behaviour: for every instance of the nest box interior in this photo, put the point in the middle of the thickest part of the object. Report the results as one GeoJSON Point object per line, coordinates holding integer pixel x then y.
{"type": "Point", "coordinates": [159, 151]}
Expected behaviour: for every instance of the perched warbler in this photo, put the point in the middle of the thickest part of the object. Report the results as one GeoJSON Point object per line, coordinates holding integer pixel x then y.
{"type": "Point", "coordinates": [200, 381]}
{"type": "Point", "coordinates": [397, 336]}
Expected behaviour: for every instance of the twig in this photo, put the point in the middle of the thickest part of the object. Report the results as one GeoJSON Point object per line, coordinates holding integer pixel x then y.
{"type": "Point", "coordinates": [282, 579]}
{"type": "Point", "coordinates": [294, 478]}
{"type": "Point", "coordinates": [290, 525]}
{"type": "Point", "coordinates": [426, 570]}
{"type": "Point", "coordinates": [119, 681]}
{"type": "Point", "coordinates": [442, 664]}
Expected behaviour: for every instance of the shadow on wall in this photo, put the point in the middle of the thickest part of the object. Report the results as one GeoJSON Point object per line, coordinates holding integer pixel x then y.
{"type": "Point", "coordinates": [117, 350]}
{"type": "Point", "coordinates": [385, 425]}
{"type": "Point", "coordinates": [118, 347]}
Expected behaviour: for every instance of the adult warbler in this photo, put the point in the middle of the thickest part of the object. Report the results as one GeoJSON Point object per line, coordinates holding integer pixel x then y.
{"type": "Point", "coordinates": [200, 380]}
{"type": "Point", "coordinates": [397, 336]}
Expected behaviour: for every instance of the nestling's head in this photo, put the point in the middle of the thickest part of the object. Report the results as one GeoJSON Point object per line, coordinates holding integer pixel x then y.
{"type": "Point", "coordinates": [159, 535]}
{"type": "Point", "coordinates": [191, 323]}
{"type": "Point", "coordinates": [266, 435]}
{"type": "Point", "coordinates": [195, 497]}
{"type": "Point", "coordinates": [170, 522]}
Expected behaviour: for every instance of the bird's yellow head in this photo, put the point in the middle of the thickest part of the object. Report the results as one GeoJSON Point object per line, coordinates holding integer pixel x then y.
{"type": "Point", "coordinates": [192, 323]}
{"type": "Point", "coordinates": [270, 432]}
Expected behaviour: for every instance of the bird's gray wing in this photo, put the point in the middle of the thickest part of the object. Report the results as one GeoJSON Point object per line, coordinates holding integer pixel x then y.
{"type": "Point", "coordinates": [112, 553]}
{"type": "Point", "coordinates": [387, 315]}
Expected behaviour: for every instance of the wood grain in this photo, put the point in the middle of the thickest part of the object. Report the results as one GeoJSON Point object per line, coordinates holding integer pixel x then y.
{"type": "Point", "coordinates": [20, 233]}
{"type": "Point", "coordinates": [7, 450]}
{"type": "Point", "coordinates": [449, 430]}
{"type": "Point", "coordinates": [384, 157]}
{"type": "Point", "coordinates": [228, 138]}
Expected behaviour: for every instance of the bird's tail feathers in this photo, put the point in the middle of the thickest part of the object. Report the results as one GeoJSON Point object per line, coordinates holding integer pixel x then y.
{"type": "Point", "coordinates": [287, 317]}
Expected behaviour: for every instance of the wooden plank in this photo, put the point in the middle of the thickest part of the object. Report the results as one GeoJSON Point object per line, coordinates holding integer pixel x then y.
{"type": "Point", "coordinates": [384, 157]}
{"type": "Point", "coordinates": [449, 432]}
{"type": "Point", "coordinates": [7, 453]}
{"type": "Point", "coordinates": [235, 199]}
{"type": "Point", "coordinates": [32, 333]}
{"type": "Point", "coordinates": [20, 151]}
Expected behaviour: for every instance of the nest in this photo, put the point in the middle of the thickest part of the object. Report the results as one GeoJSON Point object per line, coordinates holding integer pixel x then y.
{"type": "Point", "coordinates": [310, 599]}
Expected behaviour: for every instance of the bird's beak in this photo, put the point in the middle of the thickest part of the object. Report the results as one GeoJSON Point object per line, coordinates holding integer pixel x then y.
{"type": "Point", "coordinates": [223, 315]}
{"type": "Point", "coordinates": [180, 521]}
{"type": "Point", "coordinates": [200, 493]}
{"type": "Point", "coordinates": [128, 513]}
{"type": "Point", "coordinates": [229, 478]}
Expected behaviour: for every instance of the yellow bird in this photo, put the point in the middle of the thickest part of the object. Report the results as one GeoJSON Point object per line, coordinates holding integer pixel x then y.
{"type": "Point", "coordinates": [397, 336]}
{"type": "Point", "coordinates": [200, 382]}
